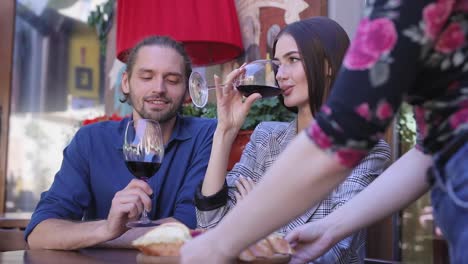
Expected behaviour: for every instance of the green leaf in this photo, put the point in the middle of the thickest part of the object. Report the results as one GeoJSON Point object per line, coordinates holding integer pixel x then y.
{"type": "Point", "coordinates": [269, 109]}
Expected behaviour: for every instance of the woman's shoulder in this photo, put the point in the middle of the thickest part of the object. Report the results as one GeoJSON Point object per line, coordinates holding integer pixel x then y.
{"type": "Point", "coordinates": [273, 132]}
{"type": "Point", "coordinates": [273, 127]}
{"type": "Point", "coordinates": [377, 160]}
{"type": "Point", "coordinates": [381, 148]}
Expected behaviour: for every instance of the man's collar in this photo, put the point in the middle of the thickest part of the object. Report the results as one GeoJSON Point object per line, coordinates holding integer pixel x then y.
{"type": "Point", "coordinates": [178, 133]}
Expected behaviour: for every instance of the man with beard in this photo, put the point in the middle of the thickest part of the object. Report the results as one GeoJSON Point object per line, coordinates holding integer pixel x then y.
{"type": "Point", "coordinates": [94, 195]}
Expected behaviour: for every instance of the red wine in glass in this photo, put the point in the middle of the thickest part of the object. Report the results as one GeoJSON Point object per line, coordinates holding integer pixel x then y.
{"type": "Point", "coordinates": [255, 77]}
{"type": "Point", "coordinates": [143, 170]}
{"type": "Point", "coordinates": [143, 151]}
{"type": "Point", "coordinates": [264, 90]}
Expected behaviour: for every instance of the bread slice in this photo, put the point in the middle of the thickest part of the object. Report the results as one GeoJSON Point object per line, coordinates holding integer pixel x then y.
{"type": "Point", "coordinates": [279, 244]}
{"type": "Point", "coordinates": [247, 255]}
{"type": "Point", "coordinates": [262, 249]}
{"type": "Point", "coordinates": [273, 245]}
{"type": "Point", "coordinates": [163, 240]}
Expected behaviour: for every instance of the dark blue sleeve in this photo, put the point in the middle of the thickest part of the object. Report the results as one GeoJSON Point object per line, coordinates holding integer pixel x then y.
{"type": "Point", "coordinates": [185, 208]}
{"type": "Point", "coordinates": [69, 195]}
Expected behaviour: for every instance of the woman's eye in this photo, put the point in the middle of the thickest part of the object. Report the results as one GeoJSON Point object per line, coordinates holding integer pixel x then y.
{"type": "Point", "coordinates": [294, 59]}
{"type": "Point", "coordinates": [146, 78]}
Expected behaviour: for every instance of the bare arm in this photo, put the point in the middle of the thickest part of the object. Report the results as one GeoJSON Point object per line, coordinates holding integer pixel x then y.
{"type": "Point", "coordinates": [272, 200]}
{"type": "Point", "coordinates": [373, 165]}
{"type": "Point", "coordinates": [125, 240]}
{"type": "Point", "coordinates": [231, 111]}
{"type": "Point", "coordinates": [313, 178]}
{"type": "Point", "coordinates": [127, 204]}
{"type": "Point", "coordinates": [216, 171]}
{"type": "Point", "coordinates": [64, 234]}
{"type": "Point", "coordinates": [400, 184]}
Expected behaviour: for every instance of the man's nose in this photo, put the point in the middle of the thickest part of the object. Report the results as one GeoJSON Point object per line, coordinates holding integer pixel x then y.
{"type": "Point", "coordinates": [159, 86]}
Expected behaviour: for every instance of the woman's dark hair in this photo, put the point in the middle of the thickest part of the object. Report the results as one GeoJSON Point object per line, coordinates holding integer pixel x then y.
{"type": "Point", "coordinates": [319, 40]}
{"type": "Point", "coordinates": [162, 41]}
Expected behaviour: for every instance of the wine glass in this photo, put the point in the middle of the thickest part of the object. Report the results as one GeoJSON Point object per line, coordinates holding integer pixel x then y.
{"type": "Point", "coordinates": [257, 77]}
{"type": "Point", "coordinates": [143, 150]}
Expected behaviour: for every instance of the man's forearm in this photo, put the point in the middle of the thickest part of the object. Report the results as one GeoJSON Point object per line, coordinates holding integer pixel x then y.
{"type": "Point", "coordinates": [125, 240]}
{"type": "Point", "coordinates": [68, 235]}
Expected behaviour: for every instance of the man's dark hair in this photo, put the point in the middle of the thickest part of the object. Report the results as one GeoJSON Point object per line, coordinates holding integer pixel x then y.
{"type": "Point", "coordinates": [162, 41]}
{"type": "Point", "coordinates": [319, 40]}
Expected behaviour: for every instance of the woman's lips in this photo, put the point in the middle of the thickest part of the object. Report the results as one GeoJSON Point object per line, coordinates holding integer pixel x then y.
{"type": "Point", "coordinates": [287, 90]}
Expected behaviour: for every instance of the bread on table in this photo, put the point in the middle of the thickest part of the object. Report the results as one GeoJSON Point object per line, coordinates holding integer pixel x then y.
{"type": "Point", "coordinates": [163, 240]}
{"type": "Point", "coordinates": [279, 244]}
{"type": "Point", "coordinates": [247, 255]}
{"type": "Point", "coordinates": [272, 245]}
{"type": "Point", "coordinates": [262, 249]}
{"type": "Point", "coordinates": [167, 239]}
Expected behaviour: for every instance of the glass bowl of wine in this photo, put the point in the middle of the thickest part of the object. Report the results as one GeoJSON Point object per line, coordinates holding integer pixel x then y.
{"type": "Point", "coordinates": [256, 77]}
{"type": "Point", "coordinates": [143, 150]}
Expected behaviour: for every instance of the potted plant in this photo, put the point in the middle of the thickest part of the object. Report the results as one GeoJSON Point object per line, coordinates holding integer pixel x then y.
{"type": "Point", "coordinates": [269, 109]}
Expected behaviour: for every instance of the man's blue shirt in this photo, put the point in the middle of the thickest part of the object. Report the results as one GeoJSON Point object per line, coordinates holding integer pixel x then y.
{"type": "Point", "coordinates": [93, 170]}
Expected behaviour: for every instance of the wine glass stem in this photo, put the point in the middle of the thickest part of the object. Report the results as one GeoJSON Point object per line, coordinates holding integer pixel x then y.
{"type": "Point", "coordinates": [144, 215]}
{"type": "Point", "coordinates": [211, 87]}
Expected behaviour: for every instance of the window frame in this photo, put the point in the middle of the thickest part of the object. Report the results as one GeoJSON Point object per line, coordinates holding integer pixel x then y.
{"type": "Point", "coordinates": [7, 20]}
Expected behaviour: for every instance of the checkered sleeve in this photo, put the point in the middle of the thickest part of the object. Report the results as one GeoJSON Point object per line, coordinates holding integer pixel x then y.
{"type": "Point", "coordinates": [352, 248]}
{"type": "Point", "coordinates": [210, 210]}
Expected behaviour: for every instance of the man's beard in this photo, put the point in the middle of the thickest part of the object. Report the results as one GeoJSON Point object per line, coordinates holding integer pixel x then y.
{"type": "Point", "coordinates": [162, 116]}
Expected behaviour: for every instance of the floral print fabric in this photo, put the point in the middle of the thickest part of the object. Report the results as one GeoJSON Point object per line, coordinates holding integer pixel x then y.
{"type": "Point", "coordinates": [412, 50]}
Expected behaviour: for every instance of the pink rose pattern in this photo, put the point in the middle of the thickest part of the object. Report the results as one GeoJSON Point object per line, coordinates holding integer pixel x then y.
{"type": "Point", "coordinates": [435, 15]}
{"type": "Point", "coordinates": [384, 110]}
{"type": "Point", "coordinates": [320, 138]}
{"type": "Point", "coordinates": [461, 6]}
{"type": "Point", "coordinates": [419, 113]}
{"type": "Point", "coordinates": [363, 111]}
{"type": "Point", "coordinates": [443, 33]}
{"type": "Point", "coordinates": [350, 157]}
{"type": "Point", "coordinates": [451, 39]}
{"type": "Point", "coordinates": [459, 118]}
{"type": "Point", "coordinates": [326, 109]}
{"type": "Point", "coordinates": [373, 39]}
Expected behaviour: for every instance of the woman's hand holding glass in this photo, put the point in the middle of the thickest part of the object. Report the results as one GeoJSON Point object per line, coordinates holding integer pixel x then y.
{"type": "Point", "coordinates": [232, 109]}
{"type": "Point", "coordinates": [255, 77]}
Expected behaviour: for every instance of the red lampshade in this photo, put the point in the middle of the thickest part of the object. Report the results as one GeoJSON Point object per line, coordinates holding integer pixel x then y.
{"type": "Point", "coordinates": [209, 29]}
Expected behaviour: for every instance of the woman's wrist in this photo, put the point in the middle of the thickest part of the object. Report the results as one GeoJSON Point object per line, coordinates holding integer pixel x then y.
{"type": "Point", "coordinates": [335, 228]}
{"type": "Point", "coordinates": [226, 135]}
